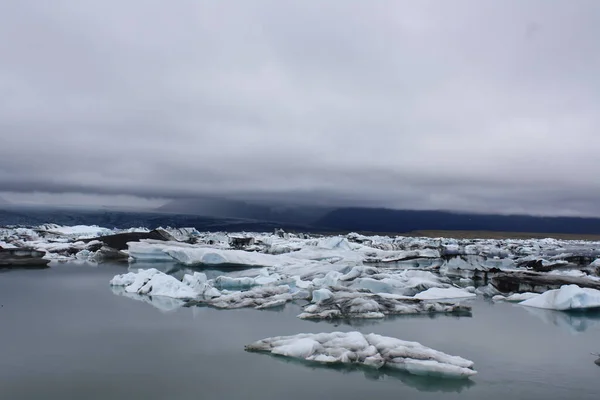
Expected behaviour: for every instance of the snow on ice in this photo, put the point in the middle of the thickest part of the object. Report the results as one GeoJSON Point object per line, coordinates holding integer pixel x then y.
{"type": "Point", "coordinates": [370, 350]}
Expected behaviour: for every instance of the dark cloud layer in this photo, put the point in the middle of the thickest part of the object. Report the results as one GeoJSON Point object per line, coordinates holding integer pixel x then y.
{"type": "Point", "coordinates": [470, 105]}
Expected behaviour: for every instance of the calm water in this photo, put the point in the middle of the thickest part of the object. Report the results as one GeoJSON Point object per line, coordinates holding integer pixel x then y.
{"type": "Point", "coordinates": [64, 334]}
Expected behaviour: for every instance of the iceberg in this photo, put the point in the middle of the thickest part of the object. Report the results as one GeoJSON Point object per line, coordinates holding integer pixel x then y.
{"type": "Point", "coordinates": [155, 283]}
{"type": "Point", "coordinates": [257, 297]}
{"type": "Point", "coordinates": [406, 282]}
{"type": "Point", "coordinates": [200, 284]}
{"type": "Point", "coordinates": [370, 350]}
{"type": "Point", "coordinates": [321, 294]}
{"type": "Point", "coordinates": [568, 297]}
{"type": "Point", "coordinates": [516, 297]}
{"type": "Point", "coordinates": [196, 289]}
{"type": "Point", "coordinates": [348, 304]}
{"type": "Point", "coordinates": [444, 293]}
{"type": "Point", "coordinates": [80, 231]}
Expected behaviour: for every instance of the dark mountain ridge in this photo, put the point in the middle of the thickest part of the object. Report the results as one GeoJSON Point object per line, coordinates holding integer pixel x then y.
{"type": "Point", "coordinates": [226, 208]}
{"type": "Point", "coordinates": [388, 220]}
{"type": "Point", "coordinates": [375, 220]}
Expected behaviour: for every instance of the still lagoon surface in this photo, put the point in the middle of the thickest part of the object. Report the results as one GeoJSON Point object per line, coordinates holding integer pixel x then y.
{"type": "Point", "coordinates": [65, 335]}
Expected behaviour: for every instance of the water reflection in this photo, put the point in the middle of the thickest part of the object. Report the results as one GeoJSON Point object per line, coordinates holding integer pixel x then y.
{"type": "Point", "coordinates": [571, 321]}
{"type": "Point", "coordinates": [357, 322]}
{"type": "Point", "coordinates": [178, 270]}
{"type": "Point", "coordinates": [420, 383]}
{"type": "Point", "coordinates": [162, 303]}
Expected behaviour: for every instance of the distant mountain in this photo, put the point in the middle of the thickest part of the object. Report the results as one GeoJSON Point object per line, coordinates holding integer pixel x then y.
{"type": "Point", "coordinates": [4, 202]}
{"type": "Point", "coordinates": [122, 219]}
{"type": "Point", "coordinates": [387, 220]}
{"type": "Point", "coordinates": [226, 208]}
{"type": "Point", "coordinates": [266, 218]}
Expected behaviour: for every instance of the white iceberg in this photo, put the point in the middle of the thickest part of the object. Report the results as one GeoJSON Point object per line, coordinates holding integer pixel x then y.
{"type": "Point", "coordinates": [371, 350]}
{"type": "Point", "coordinates": [200, 284]}
{"type": "Point", "coordinates": [436, 293]}
{"type": "Point", "coordinates": [516, 297]}
{"type": "Point", "coordinates": [406, 282]}
{"type": "Point", "coordinates": [196, 289]}
{"type": "Point", "coordinates": [568, 297]}
{"type": "Point", "coordinates": [154, 283]}
{"type": "Point", "coordinates": [321, 295]}
{"type": "Point", "coordinates": [81, 231]}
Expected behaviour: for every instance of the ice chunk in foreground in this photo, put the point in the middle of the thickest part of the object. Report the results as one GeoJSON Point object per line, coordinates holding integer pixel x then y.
{"type": "Point", "coordinates": [568, 297]}
{"type": "Point", "coordinates": [373, 351]}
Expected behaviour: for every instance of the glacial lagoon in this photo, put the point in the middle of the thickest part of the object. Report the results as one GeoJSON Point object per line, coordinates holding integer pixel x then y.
{"type": "Point", "coordinates": [65, 334]}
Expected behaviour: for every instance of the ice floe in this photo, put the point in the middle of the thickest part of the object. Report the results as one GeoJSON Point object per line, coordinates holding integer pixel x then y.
{"type": "Point", "coordinates": [368, 350]}
{"type": "Point", "coordinates": [515, 297]}
{"type": "Point", "coordinates": [349, 304]}
{"type": "Point", "coordinates": [154, 283]}
{"type": "Point", "coordinates": [436, 293]}
{"type": "Point", "coordinates": [568, 297]}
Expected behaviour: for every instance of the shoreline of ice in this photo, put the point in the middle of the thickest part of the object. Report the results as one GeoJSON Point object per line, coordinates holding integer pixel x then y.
{"type": "Point", "coordinates": [340, 272]}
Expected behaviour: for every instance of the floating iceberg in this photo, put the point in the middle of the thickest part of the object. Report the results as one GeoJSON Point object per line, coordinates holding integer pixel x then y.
{"type": "Point", "coordinates": [154, 283]}
{"type": "Point", "coordinates": [257, 297]}
{"type": "Point", "coordinates": [371, 350]}
{"type": "Point", "coordinates": [80, 231]}
{"type": "Point", "coordinates": [196, 289]}
{"type": "Point", "coordinates": [436, 293]}
{"type": "Point", "coordinates": [347, 304]}
{"type": "Point", "coordinates": [407, 282]}
{"type": "Point", "coordinates": [516, 297]}
{"type": "Point", "coordinates": [200, 284]}
{"type": "Point", "coordinates": [568, 297]}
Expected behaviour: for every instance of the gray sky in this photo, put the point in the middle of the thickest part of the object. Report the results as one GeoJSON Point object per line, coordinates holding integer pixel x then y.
{"type": "Point", "coordinates": [470, 105]}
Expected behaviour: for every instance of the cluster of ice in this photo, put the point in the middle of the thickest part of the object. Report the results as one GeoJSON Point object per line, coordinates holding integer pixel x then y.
{"type": "Point", "coordinates": [72, 243]}
{"type": "Point", "coordinates": [333, 295]}
{"type": "Point", "coordinates": [452, 257]}
{"type": "Point", "coordinates": [340, 277]}
{"type": "Point", "coordinates": [370, 350]}
{"type": "Point", "coordinates": [329, 268]}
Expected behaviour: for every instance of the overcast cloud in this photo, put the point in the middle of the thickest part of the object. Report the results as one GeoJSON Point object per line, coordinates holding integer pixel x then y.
{"type": "Point", "coordinates": [469, 105]}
